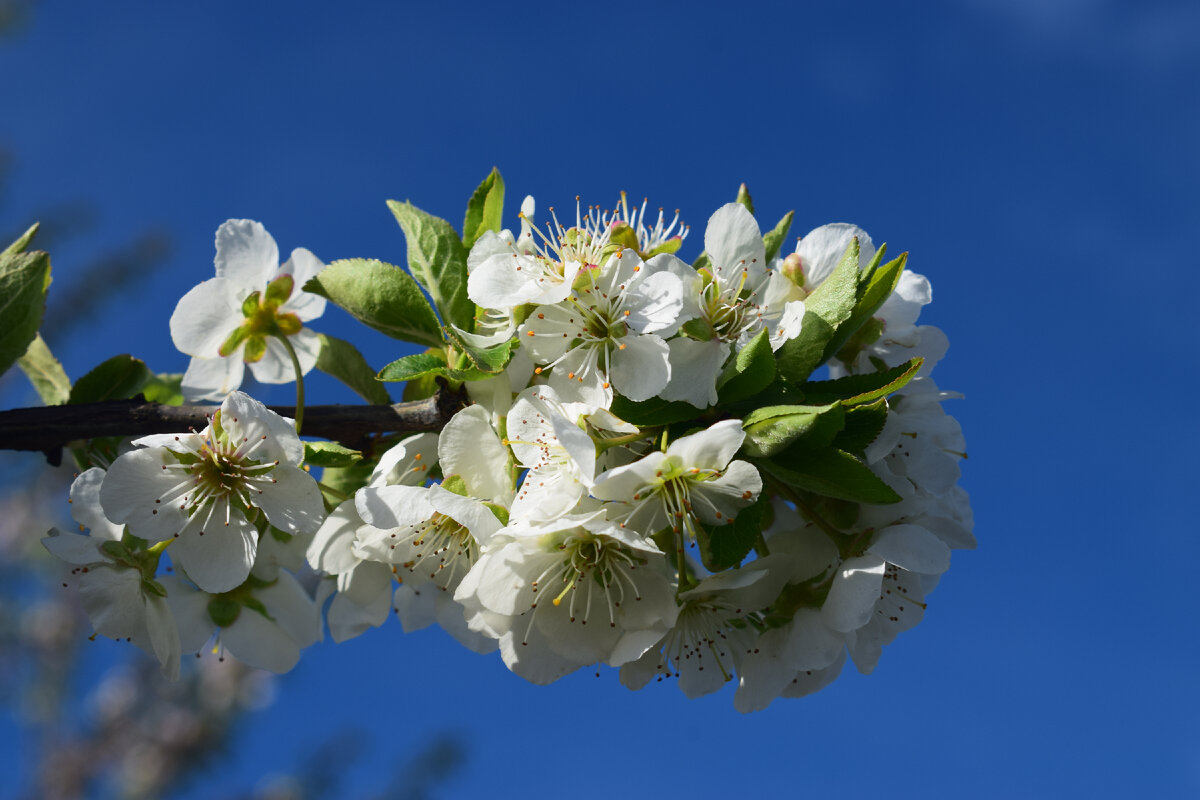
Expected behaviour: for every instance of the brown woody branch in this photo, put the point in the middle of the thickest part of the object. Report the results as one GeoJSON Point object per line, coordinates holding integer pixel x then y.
{"type": "Point", "coordinates": [48, 428]}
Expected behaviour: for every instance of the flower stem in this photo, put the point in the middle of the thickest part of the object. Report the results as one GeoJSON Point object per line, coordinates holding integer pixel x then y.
{"type": "Point", "coordinates": [299, 380]}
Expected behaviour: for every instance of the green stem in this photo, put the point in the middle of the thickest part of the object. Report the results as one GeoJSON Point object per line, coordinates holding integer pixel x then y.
{"type": "Point", "coordinates": [629, 438]}
{"type": "Point", "coordinates": [159, 547]}
{"type": "Point", "coordinates": [299, 380]}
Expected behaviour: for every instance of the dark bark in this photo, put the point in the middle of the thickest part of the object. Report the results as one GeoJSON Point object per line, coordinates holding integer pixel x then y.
{"type": "Point", "coordinates": [47, 429]}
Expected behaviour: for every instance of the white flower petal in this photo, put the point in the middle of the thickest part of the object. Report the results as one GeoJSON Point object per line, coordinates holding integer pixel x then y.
{"type": "Point", "coordinates": [347, 620]}
{"type": "Point", "coordinates": [276, 365]}
{"type": "Point", "coordinates": [293, 503]}
{"type": "Point", "coordinates": [821, 250]}
{"type": "Point", "coordinates": [470, 448]}
{"type": "Point", "coordinates": [292, 608]}
{"type": "Point", "coordinates": [854, 593]}
{"type": "Point", "coordinates": [330, 550]}
{"type": "Point", "coordinates": [695, 366]}
{"type": "Point", "coordinates": [387, 507]}
{"type": "Point", "coordinates": [466, 511]}
{"type": "Point", "coordinates": [212, 378]}
{"type": "Point", "coordinates": [189, 609]}
{"type": "Point", "coordinates": [642, 368]}
{"type": "Point", "coordinates": [205, 317]}
{"type": "Point", "coordinates": [73, 548]}
{"type": "Point", "coordinates": [655, 302]}
{"type": "Point", "coordinates": [913, 548]}
{"type": "Point", "coordinates": [303, 266]}
{"type": "Point", "coordinates": [244, 418]}
{"type": "Point", "coordinates": [408, 461]}
{"type": "Point", "coordinates": [132, 488]}
{"type": "Point", "coordinates": [258, 642]}
{"type": "Point", "coordinates": [733, 241]}
{"type": "Point", "coordinates": [85, 506]}
{"type": "Point", "coordinates": [712, 448]}
{"type": "Point", "coordinates": [246, 254]}
{"type": "Point", "coordinates": [164, 636]}
{"type": "Point", "coordinates": [221, 558]}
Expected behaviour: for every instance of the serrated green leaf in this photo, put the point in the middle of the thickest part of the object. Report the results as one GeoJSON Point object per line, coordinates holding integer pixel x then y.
{"type": "Point", "coordinates": [330, 454]}
{"type": "Point", "coordinates": [45, 373]}
{"type": "Point", "coordinates": [381, 296]}
{"type": "Point", "coordinates": [876, 284]}
{"type": "Point", "coordinates": [24, 278]}
{"type": "Point", "coordinates": [862, 426]}
{"type": "Point", "coordinates": [485, 209]}
{"type": "Point", "coordinates": [743, 197]}
{"type": "Point", "coordinates": [23, 241]}
{"type": "Point", "coordinates": [417, 365]}
{"type": "Point", "coordinates": [341, 360]}
{"type": "Point", "coordinates": [117, 378]}
{"type": "Point", "coordinates": [725, 546]}
{"type": "Point", "coordinates": [866, 388]}
{"type": "Point", "coordinates": [487, 360]}
{"type": "Point", "coordinates": [654, 411]}
{"type": "Point", "coordinates": [773, 239]}
{"type": "Point", "coordinates": [773, 429]}
{"type": "Point", "coordinates": [750, 372]}
{"type": "Point", "coordinates": [832, 473]}
{"type": "Point", "coordinates": [437, 259]}
{"type": "Point", "coordinates": [825, 311]}
{"type": "Point", "coordinates": [165, 388]}
{"type": "Point", "coordinates": [348, 480]}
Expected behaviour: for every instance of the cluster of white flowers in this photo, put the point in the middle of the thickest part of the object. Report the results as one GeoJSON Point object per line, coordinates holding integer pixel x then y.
{"type": "Point", "coordinates": [540, 521]}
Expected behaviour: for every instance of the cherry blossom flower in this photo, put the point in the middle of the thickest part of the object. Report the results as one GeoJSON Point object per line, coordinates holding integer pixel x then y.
{"type": "Point", "coordinates": [237, 317]}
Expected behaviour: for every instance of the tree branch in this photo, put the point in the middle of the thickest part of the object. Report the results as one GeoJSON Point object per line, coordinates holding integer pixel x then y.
{"type": "Point", "coordinates": [48, 428]}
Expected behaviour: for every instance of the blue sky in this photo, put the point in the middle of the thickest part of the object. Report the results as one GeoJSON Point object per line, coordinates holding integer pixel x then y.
{"type": "Point", "coordinates": [1037, 159]}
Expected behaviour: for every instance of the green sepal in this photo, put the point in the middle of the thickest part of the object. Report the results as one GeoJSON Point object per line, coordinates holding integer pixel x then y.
{"type": "Point", "coordinates": [254, 604]}
{"type": "Point", "coordinates": [251, 304]}
{"type": "Point", "coordinates": [340, 359]}
{"type": "Point", "coordinates": [233, 340]}
{"type": "Point", "coordinates": [773, 429]}
{"type": "Point", "coordinates": [825, 311]}
{"type": "Point", "coordinates": [654, 411]}
{"type": "Point", "coordinates": [698, 329]}
{"type": "Point", "coordinates": [117, 551]}
{"type": "Point", "coordinates": [45, 372]}
{"type": "Point", "coordinates": [725, 546]}
{"type": "Point", "coordinates": [773, 239]}
{"type": "Point", "coordinates": [224, 611]}
{"type": "Point", "coordinates": [381, 296]}
{"type": "Point", "coordinates": [485, 209]}
{"type": "Point", "coordinates": [151, 586]}
{"type": "Point", "coordinates": [330, 454]}
{"type": "Point", "coordinates": [437, 259]}
{"type": "Point", "coordinates": [283, 537]}
{"type": "Point", "coordinates": [456, 485]}
{"type": "Point", "coordinates": [22, 242]}
{"type": "Point", "coordinates": [863, 426]}
{"type": "Point", "coordinates": [829, 472]}
{"type": "Point", "coordinates": [488, 360]}
{"type": "Point", "coordinates": [750, 372]}
{"type": "Point", "coordinates": [407, 368]}
{"type": "Point", "coordinates": [670, 246]}
{"type": "Point", "coordinates": [288, 324]}
{"type": "Point", "coordinates": [24, 279]}
{"type": "Point", "coordinates": [859, 389]}
{"type": "Point", "coordinates": [278, 291]}
{"type": "Point", "coordinates": [256, 348]}
{"type": "Point", "coordinates": [623, 235]}
{"type": "Point", "coordinates": [116, 378]}
{"type": "Point", "coordinates": [500, 512]}
{"type": "Point", "coordinates": [743, 197]}
{"type": "Point", "coordinates": [702, 262]}
{"type": "Point", "coordinates": [421, 387]}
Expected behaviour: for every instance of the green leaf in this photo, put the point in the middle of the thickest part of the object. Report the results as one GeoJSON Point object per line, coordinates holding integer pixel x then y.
{"type": "Point", "coordinates": [726, 546]}
{"type": "Point", "coordinates": [488, 360]}
{"type": "Point", "coordinates": [825, 311]}
{"type": "Point", "coordinates": [330, 454]}
{"type": "Point", "coordinates": [348, 480]}
{"type": "Point", "coordinates": [743, 197]}
{"type": "Point", "coordinates": [165, 388]}
{"type": "Point", "coordinates": [654, 411]}
{"type": "Point", "coordinates": [45, 373]}
{"type": "Point", "coordinates": [832, 473]}
{"type": "Point", "coordinates": [24, 278]}
{"type": "Point", "coordinates": [773, 429]}
{"type": "Point", "coordinates": [341, 360]}
{"type": "Point", "coordinates": [224, 611]}
{"type": "Point", "coordinates": [773, 239]}
{"type": "Point", "coordinates": [417, 365]}
{"type": "Point", "coordinates": [381, 296]}
{"type": "Point", "coordinates": [456, 485]}
{"type": "Point", "coordinates": [858, 389]}
{"type": "Point", "coordinates": [750, 372]}
{"type": "Point", "coordinates": [863, 426]}
{"type": "Point", "coordinates": [437, 259]}
{"type": "Point", "coordinates": [117, 378]}
{"type": "Point", "coordinates": [484, 209]}
{"type": "Point", "coordinates": [876, 284]}
{"type": "Point", "coordinates": [23, 241]}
